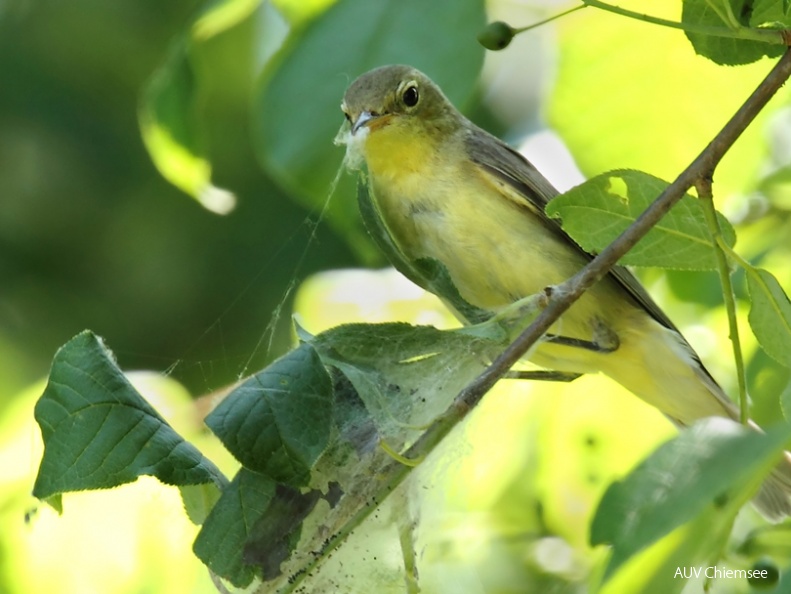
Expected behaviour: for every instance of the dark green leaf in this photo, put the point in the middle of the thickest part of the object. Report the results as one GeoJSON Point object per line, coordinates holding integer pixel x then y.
{"type": "Point", "coordinates": [278, 422]}
{"type": "Point", "coordinates": [724, 50]}
{"type": "Point", "coordinates": [686, 475]}
{"type": "Point", "coordinates": [770, 314]}
{"type": "Point", "coordinates": [771, 13]}
{"type": "Point", "coordinates": [596, 212]}
{"type": "Point", "coordinates": [99, 432]}
{"type": "Point", "coordinates": [220, 543]}
{"type": "Point", "coordinates": [297, 104]}
{"type": "Point", "coordinates": [393, 380]}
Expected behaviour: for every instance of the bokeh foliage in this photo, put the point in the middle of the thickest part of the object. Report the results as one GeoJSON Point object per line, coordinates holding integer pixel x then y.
{"type": "Point", "coordinates": [96, 239]}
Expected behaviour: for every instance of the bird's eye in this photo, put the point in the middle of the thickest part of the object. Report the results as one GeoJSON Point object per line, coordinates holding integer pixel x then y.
{"type": "Point", "coordinates": [410, 96]}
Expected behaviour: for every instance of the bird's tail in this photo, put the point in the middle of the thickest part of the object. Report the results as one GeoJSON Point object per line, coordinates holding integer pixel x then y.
{"type": "Point", "coordinates": [773, 499]}
{"type": "Point", "coordinates": [662, 369]}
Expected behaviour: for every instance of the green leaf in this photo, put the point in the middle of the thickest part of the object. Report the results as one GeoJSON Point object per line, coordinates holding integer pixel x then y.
{"type": "Point", "coordinates": [199, 500]}
{"type": "Point", "coordinates": [770, 314]}
{"type": "Point", "coordinates": [221, 541]}
{"type": "Point", "coordinates": [771, 13]}
{"type": "Point", "coordinates": [169, 110]}
{"type": "Point", "coordinates": [296, 107]}
{"type": "Point", "coordinates": [596, 212]}
{"type": "Point", "coordinates": [220, 15]}
{"type": "Point", "coordinates": [654, 569]}
{"type": "Point", "coordinates": [278, 422]}
{"type": "Point", "coordinates": [724, 50]}
{"type": "Point", "coordinates": [170, 126]}
{"type": "Point", "coordinates": [99, 432]}
{"type": "Point", "coordinates": [713, 458]}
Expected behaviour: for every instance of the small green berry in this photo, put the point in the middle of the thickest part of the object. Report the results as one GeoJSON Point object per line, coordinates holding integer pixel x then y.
{"type": "Point", "coordinates": [496, 36]}
{"type": "Point", "coordinates": [764, 574]}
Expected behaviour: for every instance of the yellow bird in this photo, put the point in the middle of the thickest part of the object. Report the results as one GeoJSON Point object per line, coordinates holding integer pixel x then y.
{"type": "Point", "coordinates": [450, 191]}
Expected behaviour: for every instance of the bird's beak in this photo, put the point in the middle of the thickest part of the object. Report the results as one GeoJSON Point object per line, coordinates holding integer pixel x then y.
{"type": "Point", "coordinates": [362, 119]}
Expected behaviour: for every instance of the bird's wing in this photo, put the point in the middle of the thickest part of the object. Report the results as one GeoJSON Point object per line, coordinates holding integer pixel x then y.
{"type": "Point", "coordinates": [523, 183]}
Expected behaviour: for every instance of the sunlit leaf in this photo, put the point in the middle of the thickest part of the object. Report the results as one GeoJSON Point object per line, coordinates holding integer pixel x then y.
{"type": "Point", "coordinates": [596, 212]}
{"type": "Point", "coordinates": [99, 432]}
{"type": "Point", "coordinates": [770, 314]}
{"type": "Point", "coordinates": [714, 460]}
{"type": "Point", "coordinates": [169, 109]}
{"type": "Point", "coordinates": [660, 568]}
{"type": "Point", "coordinates": [301, 11]}
{"type": "Point", "coordinates": [723, 50]}
{"type": "Point", "coordinates": [220, 15]}
{"type": "Point", "coordinates": [221, 541]}
{"type": "Point", "coordinates": [172, 133]}
{"type": "Point", "coordinates": [199, 500]}
{"type": "Point", "coordinates": [770, 13]}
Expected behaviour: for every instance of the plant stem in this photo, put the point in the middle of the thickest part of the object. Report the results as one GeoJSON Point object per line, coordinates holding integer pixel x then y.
{"type": "Point", "coordinates": [548, 20]}
{"type": "Point", "coordinates": [773, 36]}
{"type": "Point", "coordinates": [706, 200]}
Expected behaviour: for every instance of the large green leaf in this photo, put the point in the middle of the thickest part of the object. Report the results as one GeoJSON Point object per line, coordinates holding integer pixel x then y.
{"type": "Point", "coordinates": [597, 211]}
{"type": "Point", "coordinates": [770, 314]}
{"type": "Point", "coordinates": [713, 462]}
{"type": "Point", "coordinates": [725, 15]}
{"type": "Point", "coordinates": [278, 421]}
{"type": "Point", "coordinates": [99, 432]}
{"type": "Point", "coordinates": [297, 104]}
{"type": "Point", "coordinates": [221, 541]}
{"type": "Point", "coordinates": [771, 12]}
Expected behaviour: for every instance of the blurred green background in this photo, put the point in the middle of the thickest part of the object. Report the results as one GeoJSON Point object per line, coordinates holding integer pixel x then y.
{"type": "Point", "coordinates": [92, 236]}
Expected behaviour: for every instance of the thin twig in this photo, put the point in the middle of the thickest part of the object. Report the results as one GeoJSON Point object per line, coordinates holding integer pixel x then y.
{"type": "Point", "coordinates": [706, 199]}
{"type": "Point", "coordinates": [549, 19]}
